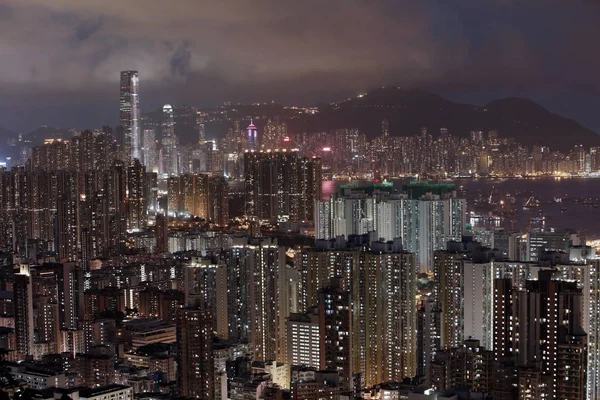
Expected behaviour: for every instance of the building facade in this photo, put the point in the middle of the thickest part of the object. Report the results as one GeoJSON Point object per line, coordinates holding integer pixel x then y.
{"type": "Point", "coordinates": [129, 114]}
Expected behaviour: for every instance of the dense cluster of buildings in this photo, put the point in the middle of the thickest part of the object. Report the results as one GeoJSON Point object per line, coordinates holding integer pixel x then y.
{"type": "Point", "coordinates": [155, 138]}
{"type": "Point", "coordinates": [123, 273]}
{"type": "Point", "coordinates": [425, 217]}
{"type": "Point", "coordinates": [343, 318]}
{"type": "Point", "coordinates": [347, 152]}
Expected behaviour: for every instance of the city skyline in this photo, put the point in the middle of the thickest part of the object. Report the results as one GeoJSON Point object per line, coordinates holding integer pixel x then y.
{"type": "Point", "coordinates": [466, 51]}
{"type": "Point", "coordinates": [130, 281]}
{"type": "Point", "coordinates": [390, 244]}
{"type": "Point", "coordinates": [129, 113]}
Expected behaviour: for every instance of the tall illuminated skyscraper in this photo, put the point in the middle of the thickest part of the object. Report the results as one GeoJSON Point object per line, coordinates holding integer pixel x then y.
{"type": "Point", "coordinates": [129, 113]}
{"type": "Point", "coordinates": [169, 142]}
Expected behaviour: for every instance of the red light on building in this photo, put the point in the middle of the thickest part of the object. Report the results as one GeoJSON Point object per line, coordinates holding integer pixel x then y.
{"type": "Point", "coordinates": [377, 177]}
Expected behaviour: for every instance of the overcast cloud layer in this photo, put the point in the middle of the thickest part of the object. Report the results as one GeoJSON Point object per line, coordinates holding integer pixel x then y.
{"type": "Point", "coordinates": [60, 59]}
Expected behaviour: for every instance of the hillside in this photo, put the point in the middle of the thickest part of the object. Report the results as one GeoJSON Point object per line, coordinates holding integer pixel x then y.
{"type": "Point", "coordinates": [408, 110]}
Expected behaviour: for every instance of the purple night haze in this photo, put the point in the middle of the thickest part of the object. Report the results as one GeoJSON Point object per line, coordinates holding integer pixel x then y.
{"type": "Point", "coordinates": [60, 59]}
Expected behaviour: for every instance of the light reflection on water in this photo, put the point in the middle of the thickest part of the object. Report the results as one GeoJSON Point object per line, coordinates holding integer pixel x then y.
{"type": "Point", "coordinates": [329, 187]}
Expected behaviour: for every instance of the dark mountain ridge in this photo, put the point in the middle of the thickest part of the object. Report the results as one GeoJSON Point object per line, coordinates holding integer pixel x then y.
{"type": "Point", "coordinates": [408, 110]}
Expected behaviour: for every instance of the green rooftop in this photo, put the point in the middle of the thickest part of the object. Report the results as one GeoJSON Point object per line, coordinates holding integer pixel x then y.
{"type": "Point", "coordinates": [368, 188]}
{"type": "Point", "coordinates": [417, 189]}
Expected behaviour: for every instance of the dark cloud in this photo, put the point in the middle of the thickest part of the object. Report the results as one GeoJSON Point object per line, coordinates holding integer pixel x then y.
{"type": "Point", "coordinates": [67, 52]}
{"type": "Point", "coordinates": [87, 28]}
{"type": "Point", "coordinates": [180, 61]}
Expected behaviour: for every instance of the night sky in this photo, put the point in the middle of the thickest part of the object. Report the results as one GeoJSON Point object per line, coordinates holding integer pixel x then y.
{"type": "Point", "coordinates": [60, 59]}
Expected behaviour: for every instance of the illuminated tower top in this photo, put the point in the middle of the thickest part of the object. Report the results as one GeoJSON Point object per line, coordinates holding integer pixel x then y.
{"type": "Point", "coordinates": [251, 129]}
{"type": "Point", "coordinates": [252, 136]}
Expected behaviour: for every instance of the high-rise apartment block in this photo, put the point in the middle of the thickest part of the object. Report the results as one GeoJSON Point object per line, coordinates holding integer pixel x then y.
{"type": "Point", "coordinates": [425, 217]}
{"type": "Point", "coordinates": [382, 285]}
{"type": "Point", "coordinates": [200, 195]}
{"type": "Point", "coordinates": [335, 316]}
{"type": "Point", "coordinates": [23, 300]}
{"type": "Point", "coordinates": [268, 301]}
{"type": "Point", "coordinates": [281, 185]}
{"type": "Point", "coordinates": [304, 340]}
{"type": "Point", "coordinates": [195, 365]}
{"type": "Point", "coordinates": [136, 201]}
{"type": "Point", "coordinates": [550, 338]}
